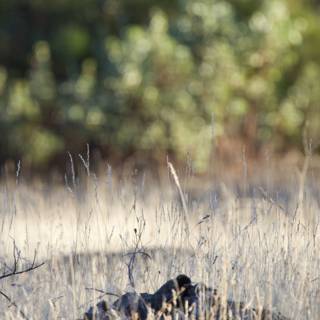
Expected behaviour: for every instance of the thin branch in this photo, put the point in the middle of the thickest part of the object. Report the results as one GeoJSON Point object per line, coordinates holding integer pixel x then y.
{"type": "Point", "coordinates": [31, 268]}
{"type": "Point", "coordinates": [147, 255]}
{"type": "Point", "coordinates": [138, 236]}
{"type": "Point", "coordinates": [14, 270]}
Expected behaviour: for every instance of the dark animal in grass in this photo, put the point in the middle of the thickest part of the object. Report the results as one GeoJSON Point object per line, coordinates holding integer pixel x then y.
{"type": "Point", "coordinates": [165, 294]}
{"type": "Point", "coordinates": [100, 312]}
{"type": "Point", "coordinates": [175, 299]}
{"type": "Point", "coordinates": [134, 305]}
{"type": "Point", "coordinates": [131, 305]}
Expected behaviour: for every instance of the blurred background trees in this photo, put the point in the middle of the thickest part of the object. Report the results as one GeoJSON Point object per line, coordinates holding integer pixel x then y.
{"type": "Point", "coordinates": [152, 78]}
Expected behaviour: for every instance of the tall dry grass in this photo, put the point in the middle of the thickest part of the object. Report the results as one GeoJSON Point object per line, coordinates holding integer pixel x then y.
{"type": "Point", "coordinates": [260, 245]}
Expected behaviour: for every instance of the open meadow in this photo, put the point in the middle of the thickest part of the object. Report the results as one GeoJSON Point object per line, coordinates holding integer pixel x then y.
{"type": "Point", "coordinates": [257, 243]}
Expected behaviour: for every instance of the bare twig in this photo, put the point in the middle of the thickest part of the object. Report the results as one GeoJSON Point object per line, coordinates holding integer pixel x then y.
{"type": "Point", "coordinates": [138, 235]}
{"type": "Point", "coordinates": [14, 270]}
{"type": "Point", "coordinates": [147, 255]}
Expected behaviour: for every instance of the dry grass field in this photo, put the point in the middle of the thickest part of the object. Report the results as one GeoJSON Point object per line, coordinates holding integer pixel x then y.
{"type": "Point", "coordinates": [258, 243]}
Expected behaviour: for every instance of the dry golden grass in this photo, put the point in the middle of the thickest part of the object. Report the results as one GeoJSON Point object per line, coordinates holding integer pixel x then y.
{"type": "Point", "coordinates": [262, 248]}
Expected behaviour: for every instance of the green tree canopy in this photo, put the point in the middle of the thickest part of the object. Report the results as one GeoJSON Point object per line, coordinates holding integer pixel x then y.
{"type": "Point", "coordinates": [156, 77]}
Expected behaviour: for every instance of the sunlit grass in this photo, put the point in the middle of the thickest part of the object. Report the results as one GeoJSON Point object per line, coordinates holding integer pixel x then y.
{"type": "Point", "coordinates": [259, 249]}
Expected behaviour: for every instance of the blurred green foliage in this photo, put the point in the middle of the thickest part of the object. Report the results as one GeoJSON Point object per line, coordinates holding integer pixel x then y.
{"type": "Point", "coordinates": [156, 77]}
